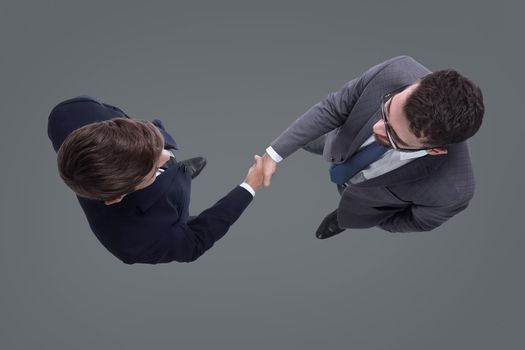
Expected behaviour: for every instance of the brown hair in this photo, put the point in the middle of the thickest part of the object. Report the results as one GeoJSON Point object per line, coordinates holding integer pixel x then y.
{"type": "Point", "coordinates": [445, 108]}
{"type": "Point", "coordinates": [108, 159]}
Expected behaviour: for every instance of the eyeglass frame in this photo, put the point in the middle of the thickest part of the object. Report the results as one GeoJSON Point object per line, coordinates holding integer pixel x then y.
{"type": "Point", "coordinates": [388, 129]}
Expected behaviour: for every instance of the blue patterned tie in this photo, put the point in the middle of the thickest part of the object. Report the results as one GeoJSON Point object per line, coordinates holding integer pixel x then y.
{"type": "Point", "coordinates": [341, 173]}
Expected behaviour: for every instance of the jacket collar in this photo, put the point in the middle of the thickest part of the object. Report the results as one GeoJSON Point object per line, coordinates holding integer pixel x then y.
{"type": "Point", "coordinates": [145, 198]}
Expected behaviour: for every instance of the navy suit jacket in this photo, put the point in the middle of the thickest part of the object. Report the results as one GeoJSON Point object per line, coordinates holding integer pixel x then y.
{"type": "Point", "coordinates": [150, 225]}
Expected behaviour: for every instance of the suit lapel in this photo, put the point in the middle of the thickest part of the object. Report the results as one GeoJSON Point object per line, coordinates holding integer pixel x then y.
{"type": "Point", "coordinates": [364, 133]}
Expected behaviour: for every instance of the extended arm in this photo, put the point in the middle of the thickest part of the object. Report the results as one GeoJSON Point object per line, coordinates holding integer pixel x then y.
{"type": "Point", "coordinates": [185, 242]}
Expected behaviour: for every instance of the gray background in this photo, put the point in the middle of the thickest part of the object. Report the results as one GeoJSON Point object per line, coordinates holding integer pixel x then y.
{"type": "Point", "coordinates": [227, 78]}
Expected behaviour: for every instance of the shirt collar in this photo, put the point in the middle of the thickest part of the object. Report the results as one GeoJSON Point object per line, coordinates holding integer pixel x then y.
{"type": "Point", "coordinates": [411, 155]}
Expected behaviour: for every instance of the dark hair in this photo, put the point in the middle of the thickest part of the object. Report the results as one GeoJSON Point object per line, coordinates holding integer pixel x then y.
{"type": "Point", "coordinates": [108, 159]}
{"type": "Point", "coordinates": [445, 108]}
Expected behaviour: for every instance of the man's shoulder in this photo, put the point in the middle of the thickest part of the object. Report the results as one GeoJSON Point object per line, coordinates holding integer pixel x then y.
{"type": "Point", "coordinates": [453, 179]}
{"type": "Point", "coordinates": [395, 72]}
{"type": "Point", "coordinates": [401, 64]}
{"type": "Point", "coordinates": [76, 112]}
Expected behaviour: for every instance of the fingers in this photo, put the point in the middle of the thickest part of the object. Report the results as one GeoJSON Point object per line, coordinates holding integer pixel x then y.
{"type": "Point", "coordinates": [255, 174]}
{"type": "Point", "coordinates": [268, 170]}
{"type": "Point", "coordinates": [258, 161]}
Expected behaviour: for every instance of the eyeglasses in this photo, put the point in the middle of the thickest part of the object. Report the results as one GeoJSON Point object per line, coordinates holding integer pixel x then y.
{"type": "Point", "coordinates": [389, 131]}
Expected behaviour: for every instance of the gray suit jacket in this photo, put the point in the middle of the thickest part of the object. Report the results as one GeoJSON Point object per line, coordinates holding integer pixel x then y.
{"type": "Point", "coordinates": [418, 196]}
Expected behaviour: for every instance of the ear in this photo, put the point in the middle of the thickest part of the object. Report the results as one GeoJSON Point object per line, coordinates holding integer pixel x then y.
{"type": "Point", "coordinates": [437, 151]}
{"type": "Point", "coordinates": [114, 201]}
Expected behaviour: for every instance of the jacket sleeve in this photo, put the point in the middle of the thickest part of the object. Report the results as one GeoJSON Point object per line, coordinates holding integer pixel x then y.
{"type": "Point", "coordinates": [417, 218]}
{"type": "Point", "coordinates": [328, 114]}
{"type": "Point", "coordinates": [185, 242]}
{"type": "Point", "coordinates": [323, 117]}
{"type": "Point", "coordinates": [169, 142]}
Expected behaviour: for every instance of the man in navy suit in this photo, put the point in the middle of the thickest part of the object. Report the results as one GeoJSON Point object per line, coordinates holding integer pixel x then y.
{"type": "Point", "coordinates": [133, 192]}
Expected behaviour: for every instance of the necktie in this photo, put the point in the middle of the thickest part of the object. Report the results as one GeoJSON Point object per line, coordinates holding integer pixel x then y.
{"type": "Point", "coordinates": [341, 173]}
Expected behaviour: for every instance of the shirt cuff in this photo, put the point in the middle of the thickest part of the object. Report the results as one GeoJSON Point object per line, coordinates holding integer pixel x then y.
{"type": "Point", "coordinates": [271, 152]}
{"type": "Point", "coordinates": [248, 188]}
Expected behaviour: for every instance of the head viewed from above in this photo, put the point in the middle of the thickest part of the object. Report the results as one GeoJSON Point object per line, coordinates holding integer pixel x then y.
{"type": "Point", "coordinates": [109, 159]}
{"type": "Point", "coordinates": [442, 108]}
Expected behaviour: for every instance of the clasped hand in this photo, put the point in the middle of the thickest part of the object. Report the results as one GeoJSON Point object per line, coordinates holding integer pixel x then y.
{"type": "Point", "coordinates": [261, 172]}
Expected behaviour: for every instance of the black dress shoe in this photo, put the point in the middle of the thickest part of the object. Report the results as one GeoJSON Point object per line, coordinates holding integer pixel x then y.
{"type": "Point", "coordinates": [194, 165]}
{"type": "Point", "coordinates": [329, 227]}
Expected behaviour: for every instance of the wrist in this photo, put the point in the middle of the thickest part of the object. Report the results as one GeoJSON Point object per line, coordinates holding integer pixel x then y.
{"type": "Point", "coordinates": [252, 185]}
{"type": "Point", "coordinates": [273, 155]}
{"type": "Point", "coordinates": [248, 188]}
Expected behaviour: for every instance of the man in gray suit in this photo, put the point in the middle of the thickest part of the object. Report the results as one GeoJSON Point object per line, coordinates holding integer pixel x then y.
{"type": "Point", "coordinates": [396, 139]}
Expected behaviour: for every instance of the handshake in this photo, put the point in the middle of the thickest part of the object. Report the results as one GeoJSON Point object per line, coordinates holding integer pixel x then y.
{"type": "Point", "coordinates": [261, 172]}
